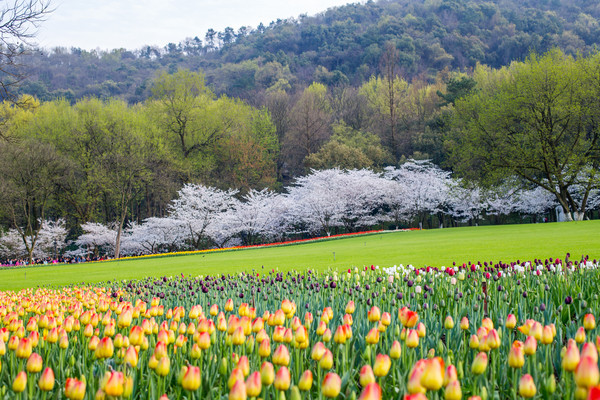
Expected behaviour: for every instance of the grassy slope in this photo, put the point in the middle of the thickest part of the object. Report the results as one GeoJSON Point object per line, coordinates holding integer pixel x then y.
{"type": "Point", "coordinates": [433, 247]}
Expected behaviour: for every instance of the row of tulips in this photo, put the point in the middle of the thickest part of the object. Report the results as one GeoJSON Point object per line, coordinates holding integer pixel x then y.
{"type": "Point", "coordinates": [358, 334]}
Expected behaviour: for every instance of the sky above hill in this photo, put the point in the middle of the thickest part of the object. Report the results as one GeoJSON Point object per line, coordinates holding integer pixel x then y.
{"type": "Point", "coordinates": [131, 24]}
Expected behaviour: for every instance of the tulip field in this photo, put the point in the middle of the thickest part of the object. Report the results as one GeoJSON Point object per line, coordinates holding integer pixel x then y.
{"type": "Point", "coordinates": [523, 329]}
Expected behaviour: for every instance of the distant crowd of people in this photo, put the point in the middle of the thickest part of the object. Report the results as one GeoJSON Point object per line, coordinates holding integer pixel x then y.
{"type": "Point", "coordinates": [20, 262]}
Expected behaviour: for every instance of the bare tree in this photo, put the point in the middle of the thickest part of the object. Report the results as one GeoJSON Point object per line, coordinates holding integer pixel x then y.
{"type": "Point", "coordinates": [18, 22]}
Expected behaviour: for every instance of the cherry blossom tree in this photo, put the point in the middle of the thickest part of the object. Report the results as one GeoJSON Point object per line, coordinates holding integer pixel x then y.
{"type": "Point", "coordinates": [156, 234]}
{"type": "Point", "coordinates": [422, 189]}
{"type": "Point", "coordinates": [259, 217]}
{"type": "Point", "coordinates": [536, 201]}
{"type": "Point", "coordinates": [467, 203]}
{"type": "Point", "coordinates": [49, 241]}
{"type": "Point", "coordinates": [96, 239]}
{"type": "Point", "coordinates": [199, 208]}
{"type": "Point", "coordinates": [315, 202]}
{"type": "Point", "coordinates": [324, 200]}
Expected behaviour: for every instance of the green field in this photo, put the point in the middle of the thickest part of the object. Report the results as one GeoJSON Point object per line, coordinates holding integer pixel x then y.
{"type": "Point", "coordinates": [432, 247]}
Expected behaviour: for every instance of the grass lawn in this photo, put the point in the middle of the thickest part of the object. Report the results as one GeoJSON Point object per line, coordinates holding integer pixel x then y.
{"type": "Point", "coordinates": [432, 247]}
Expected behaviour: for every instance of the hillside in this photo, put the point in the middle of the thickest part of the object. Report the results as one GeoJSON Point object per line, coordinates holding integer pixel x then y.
{"type": "Point", "coordinates": [342, 45]}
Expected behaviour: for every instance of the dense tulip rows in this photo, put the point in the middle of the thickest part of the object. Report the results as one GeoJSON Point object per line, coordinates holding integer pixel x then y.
{"type": "Point", "coordinates": [519, 330]}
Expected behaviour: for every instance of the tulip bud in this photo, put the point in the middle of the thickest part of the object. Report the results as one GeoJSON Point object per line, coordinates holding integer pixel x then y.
{"type": "Point", "coordinates": [449, 322]}
{"type": "Point", "coordinates": [374, 314]}
{"type": "Point", "coordinates": [396, 350]}
{"type": "Point", "coordinates": [382, 365]}
{"type": "Point", "coordinates": [551, 384]}
{"type": "Point", "coordinates": [236, 375]}
{"type": "Point", "coordinates": [282, 379]}
{"type": "Point", "coordinates": [191, 379]}
{"type": "Point", "coordinates": [453, 391]}
{"type": "Point", "coordinates": [23, 349]}
{"type": "Point", "coordinates": [267, 373]}
{"type": "Point", "coordinates": [74, 389]}
{"type": "Point", "coordinates": [492, 339]}
{"type": "Point", "coordinates": [421, 330]}
{"type": "Point", "coordinates": [412, 339]}
{"type": "Point", "coordinates": [474, 342]}
{"type": "Point", "coordinates": [114, 386]}
{"type": "Point", "coordinates": [372, 391]}
{"type": "Point", "coordinates": [34, 363]}
{"type": "Point", "coordinates": [372, 336]}
{"type": "Point", "coordinates": [20, 382]}
{"type": "Point", "coordinates": [46, 381]}
{"type": "Point", "coordinates": [589, 322]}
{"type": "Point", "coordinates": [350, 307]}
{"type": "Point", "coordinates": [464, 323]}
{"type": "Point", "coordinates": [547, 335]}
{"type": "Point", "coordinates": [516, 357]}
{"type": "Point", "coordinates": [281, 356]}
{"type": "Point", "coordinates": [571, 357]}
{"type": "Point", "coordinates": [589, 350]}
{"type": "Point", "coordinates": [366, 375]}
{"type": "Point", "coordinates": [479, 364]}
{"type": "Point", "coordinates": [295, 393]}
{"type": "Point", "coordinates": [306, 381]}
{"type": "Point", "coordinates": [586, 373]}
{"type": "Point", "coordinates": [580, 335]}
{"type": "Point", "coordinates": [511, 322]}
{"type": "Point", "coordinates": [131, 356]}
{"type": "Point", "coordinates": [238, 390]}
{"type": "Point", "coordinates": [432, 376]}
{"type": "Point", "coordinates": [530, 346]}
{"type": "Point", "coordinates": [332, 385]}
{"type": "Point", "coordinates": [164, 366]}
{"type": "Point", "coordinates": [527, 386]}
{"type": "Point", "coordinates": [327, 335]}
{"type": "Point", "coordinates": [326, 361]}
{"type": "Point", "coordinates": [339, 336]}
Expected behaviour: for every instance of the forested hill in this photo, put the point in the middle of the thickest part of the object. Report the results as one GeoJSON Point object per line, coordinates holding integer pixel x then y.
{"type": "Point", "coordinates": [343, 45]}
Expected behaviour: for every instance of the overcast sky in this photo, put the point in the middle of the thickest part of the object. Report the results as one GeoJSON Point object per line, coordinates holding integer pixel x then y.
{"type": "Point", "coordinates": [109, 24]}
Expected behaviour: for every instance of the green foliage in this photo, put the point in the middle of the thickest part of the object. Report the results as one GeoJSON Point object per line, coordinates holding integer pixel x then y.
{"type": "Point", "coordinates": [350, 149]}
{"type": "Point", "coordinates": [537, 119]}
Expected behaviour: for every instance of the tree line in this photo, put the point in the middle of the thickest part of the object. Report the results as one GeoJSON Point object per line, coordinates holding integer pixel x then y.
{"type": "Point", "coordinates": [323, 202]}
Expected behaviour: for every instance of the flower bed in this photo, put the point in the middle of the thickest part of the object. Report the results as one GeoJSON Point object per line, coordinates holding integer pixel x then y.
{"type": "Point", "coordinates": [516, 330]}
